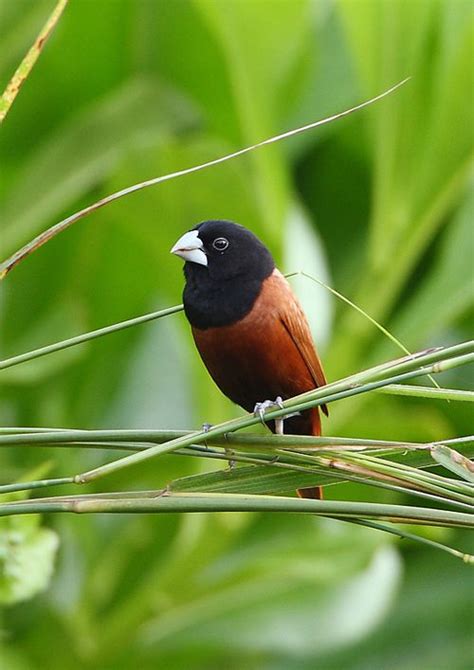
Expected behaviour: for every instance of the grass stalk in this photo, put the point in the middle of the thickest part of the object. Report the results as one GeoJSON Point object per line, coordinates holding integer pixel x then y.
{"type": "Point", "coordinates": [344, 388]}
{"type": "Point", "coordinates": [405, 535]}
{"type": "Point", "coordinates": [51, 232]}
{"type": "Point", "coordinates": [138, 439]}
{"type": "Point", "coordinates": [363, 313]}
{"type": "Point", "coordinates": [191, 502]}
{"type": "Point", "coordinates": [40, 484]}
{"type": "Point", "coordinates": [407, 479]}
{"type": "Point", "coordinates": [319, 474]}
{"type": "Point", "coordinates": [21, 75]}
{"type": "Point", "coordinates": [454, 461]}
{"type": "Point", "coordinates": [429, 393]}
{"type": "Point", "coordinates": [86, 337]}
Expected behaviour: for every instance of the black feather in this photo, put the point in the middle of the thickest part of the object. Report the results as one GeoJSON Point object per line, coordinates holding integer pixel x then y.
{"type": "Point", "coordinates": [225, 290]}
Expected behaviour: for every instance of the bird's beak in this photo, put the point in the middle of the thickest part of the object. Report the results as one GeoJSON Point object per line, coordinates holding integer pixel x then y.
{"type": "Point", "coordinates": [190, 247]}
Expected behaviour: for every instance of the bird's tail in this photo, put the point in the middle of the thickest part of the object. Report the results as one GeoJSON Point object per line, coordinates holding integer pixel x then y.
{"type": "Point", "coordinates": [313, 492]}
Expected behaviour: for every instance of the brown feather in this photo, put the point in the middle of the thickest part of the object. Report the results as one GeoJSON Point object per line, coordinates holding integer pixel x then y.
{"type": "Point", "coordinates": [295, 322]}
{"type": "Point", "coordinates": [266, 354]}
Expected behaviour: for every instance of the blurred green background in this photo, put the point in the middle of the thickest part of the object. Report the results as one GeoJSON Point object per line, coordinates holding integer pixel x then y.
{"type": "Point", "coordinates": [379, 205]}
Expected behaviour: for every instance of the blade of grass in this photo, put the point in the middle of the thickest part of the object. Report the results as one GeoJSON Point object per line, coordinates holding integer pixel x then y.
{"type": "Point", "coordinates": [407, 470]}
{"type": "Point", "coordinates": [261, 479]}
{"type": "Point", "coordinates": [433, 355]}
{"type": "Point", "coordinates": [151, 316]}
{"type": "Point", "coordinates": [373, 321]}
{"type": "Point", "coordinates": [66, 437]}
{"type": "Point", "coordinates": [405, 535]}
{"type": "Point", "coordinates": [270, 456]}
{"type": "Point", "coordinates": [39, 484]}
{"type": "Point", "coordinates": [85, 337]}
{"type": "Point", "coordinates": [48, 234]}
{"type": "Point", "coordinates": [265, 479]}
{"type": "Point", "coordinates": [454, 461]}
{"type": "Point", "coordinates": [362, 382]}
{"type": "Point", "coordinates": [185, 502]}
{"type": "Point", "coordinates": [63, 437]}
{"type": "Point", "coordinates": [425, 392]}
{"type": "Point", "coordinates": [397, 473]}
{"type": "Point", "coordinates": [403, 476]}
{"type": "Point", "coordinates": [27, 64]}
{"type": "Point", "coordinates": [422, 476]}
{"type": "Point", "coordinates": [350, 386]}
{"type": "Point", "coordinates": [128, 323]}
{"type": "Point", "coordinates": [274, 477]}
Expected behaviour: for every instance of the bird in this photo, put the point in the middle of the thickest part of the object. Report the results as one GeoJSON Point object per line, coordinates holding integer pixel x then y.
{"type": "Point", "coordinates": [248, 325]}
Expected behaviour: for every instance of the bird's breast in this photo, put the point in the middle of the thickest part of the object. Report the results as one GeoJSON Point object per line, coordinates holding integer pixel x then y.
{"type": "Point", "coordinates": [255, 358]}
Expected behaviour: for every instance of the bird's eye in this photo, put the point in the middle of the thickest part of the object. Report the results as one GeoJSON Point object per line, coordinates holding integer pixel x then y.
{"type": "Point", "coordinates": [220, 244]}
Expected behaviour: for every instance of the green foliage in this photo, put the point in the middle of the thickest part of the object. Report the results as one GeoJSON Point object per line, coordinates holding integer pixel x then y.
{"type": "Point", "coordinates": [27, 554]}
{"type": "Point", "coordinates": [129, 90]}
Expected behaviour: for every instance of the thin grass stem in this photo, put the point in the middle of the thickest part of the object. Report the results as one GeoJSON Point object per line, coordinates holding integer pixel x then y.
{"type": "Point", "coordinates": [405, 535]}
{"type": "Point", "coordinates": [317, 397]}
{"type": "Point", "coordinates": [51, 232]}
{"type": "Point", "coordinates": [86, 337]}
{"type": "Point", "coordinates": [429, 393]}
{"type": "Point", "coordinates": [184, 502]}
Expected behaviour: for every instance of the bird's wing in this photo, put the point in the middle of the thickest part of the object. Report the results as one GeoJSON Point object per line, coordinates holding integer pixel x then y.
{"type": "Point", "coordinates": [296, 324]}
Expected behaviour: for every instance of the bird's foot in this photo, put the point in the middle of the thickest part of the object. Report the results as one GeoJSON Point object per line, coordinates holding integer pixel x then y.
{"type": "Point", "coordinates": [232, 463]}
{"type": "Point", "coordinates": [206, 427]}
{"type": "Point", "coordinates": [261, 407]}
{"type": "Point", "coordinates": [163, 492]}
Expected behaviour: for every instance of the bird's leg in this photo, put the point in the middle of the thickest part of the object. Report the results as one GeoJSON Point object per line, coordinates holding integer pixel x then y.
{"type": "Point", "coordinates": [206, 427]}
{"type": "Point", "coordinates": [313, 492]}
{"type": "Point", "coordinates": [163, 492]}
{"type": "Point", "coordinates": [229, 453]}
{"type": "Point", "coordinates": [279, 425]}
{"type": "Point", "coordinates": [261, 407]}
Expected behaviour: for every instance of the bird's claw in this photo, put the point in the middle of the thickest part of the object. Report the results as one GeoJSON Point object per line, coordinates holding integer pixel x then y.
{"type": "Point", "coordinates": [261, 407]}
{"type": "Point", "coordinates": [232, 463]}
{"type": "Point", "coordinates": [162, 493]}
{"type": "Point", "coordinates": [206, 427]}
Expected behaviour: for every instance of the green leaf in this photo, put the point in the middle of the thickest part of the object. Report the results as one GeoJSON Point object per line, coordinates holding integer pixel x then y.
{"type": "Point", "coordinates": [288, 610]}
{"type": "Point", "coordinates": [433, 613]}
{"type": "Point", "coordinates": [27, 550]}
{"type": "Point", "coordinates": [13, 660]}
{"type": "Point", "coordinates": [420, 167]}
{"type": "Point", "coordinates": [454, 461]}
{"type": "Point", "coordinates": [251, 479]}
{"type": "Point", "coordinates": [27, 555]}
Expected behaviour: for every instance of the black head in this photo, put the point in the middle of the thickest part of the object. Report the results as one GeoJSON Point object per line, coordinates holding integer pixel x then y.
{"type": "Point", "coordinates": [225, 268]}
